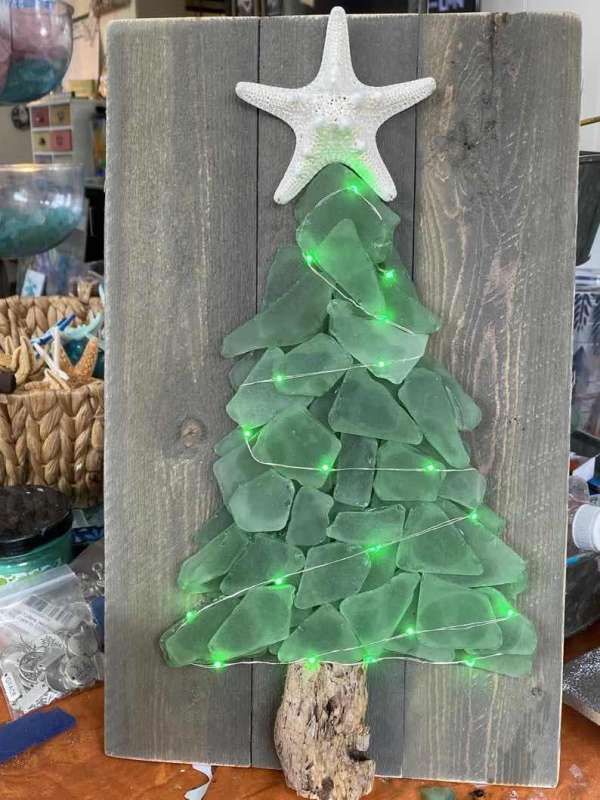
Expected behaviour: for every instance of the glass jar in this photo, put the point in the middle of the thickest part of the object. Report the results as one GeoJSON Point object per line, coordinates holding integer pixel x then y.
{"type": "Point", "coordinates": [35, 525]}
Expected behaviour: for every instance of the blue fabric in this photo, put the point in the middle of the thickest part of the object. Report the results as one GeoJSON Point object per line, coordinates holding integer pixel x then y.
{"type": "Point", "coordinates": [32, 729]}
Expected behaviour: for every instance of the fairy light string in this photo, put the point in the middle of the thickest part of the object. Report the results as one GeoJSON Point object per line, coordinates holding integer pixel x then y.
{"type": "Point", "coordinates": [388, 277]}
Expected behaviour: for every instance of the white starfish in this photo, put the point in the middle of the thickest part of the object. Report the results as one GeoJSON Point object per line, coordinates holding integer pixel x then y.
{"type": "Point", "coordinates": [336, 117]}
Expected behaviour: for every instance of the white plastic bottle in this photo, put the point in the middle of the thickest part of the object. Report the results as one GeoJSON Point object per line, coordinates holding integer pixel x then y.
{"type": "Point", "coordinates": [584, 517]}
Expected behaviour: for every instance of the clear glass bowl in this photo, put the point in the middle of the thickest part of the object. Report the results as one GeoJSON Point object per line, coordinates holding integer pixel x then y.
{"type": "Point", "coordinates": [36, 43]}
{"type": "Point", "coordinates": [40, 204]}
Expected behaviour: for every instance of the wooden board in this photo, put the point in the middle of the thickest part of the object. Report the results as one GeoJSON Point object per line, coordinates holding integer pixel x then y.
{"type": "Point", "coordinates": [191, 226]}
{"type": "Point", "coordinates": [494, 256]}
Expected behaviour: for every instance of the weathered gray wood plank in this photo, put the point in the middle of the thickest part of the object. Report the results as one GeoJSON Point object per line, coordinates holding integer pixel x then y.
{"type": "Point", "coordinates": [494, 255]}
{"type": "Point", "coordinates": [394, 59]}
{"type": "Point", "coordinates": [181, 269]}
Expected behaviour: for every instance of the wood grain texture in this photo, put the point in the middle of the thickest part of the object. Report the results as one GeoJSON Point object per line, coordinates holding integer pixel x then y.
{"type": "Point", "coordinates": [394, 59]}
{"type": "Point", "coordinates": [494, 255]}
{"type": "Point", "coordinates": [181, 274]}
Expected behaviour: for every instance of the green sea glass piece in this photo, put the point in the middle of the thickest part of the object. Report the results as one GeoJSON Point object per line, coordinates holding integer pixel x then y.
{"type": "Point", "coordinates": [368, 528]}
{"type": "Point", "coordinates": [295, 438]}
{"type": "Point", "coordinates": [264, 503]}
{"type": "Point", "coordinates": [287, 267]}
{"type": "Point", "coordinates": [212, 560]}
{"type": "Point", "coordinates": [467, 413]}
{"type": "Point", "coordinates": [433, 545]}
{"type": "Point", "coordinates": [417, 477]}
{"type": "Point", "coordinates": [255, 403]}
{"type": "Point", "coordinates": [492, 521]}
{"type": "Point", "coordinates": [343, 258]}
{"type": "Point", "coordinates": [354, 487]}
{"type": "Point", "coordinates": [309, 518]}
{"type": "Point", "coordinates": [437, 793]}
{"type": "Point", "coordinates": [323, 636]}
{"type": "Point", "coordinates": [406, 641]}
{"type": "Point", "coordinates": [242, 367]}
{"type": "Point", "coordinates": [290, 319]}
{"type": "Point", "coordinates": [500, 563]}
{"type": "Point", "coordinates": [262, 618]}
{"type": "Point", "coordinates": [454, 616]}
{"type": "Point", "coordinates": [325, 584]}
{"type": "Point", "coordinates": [405, 307]}
{"type": "Point", "coordinates": [519, 636]}
{"type": "Point", "coordinates": [320, 354]}
{"type": "Point", "coordinates": [321, 406]}
{"type": "Point", "coordinates": [336, 194]}
{"type": "Point", "coordinates": [365, 407]}
{"type": "Point", "coordinates": [375, 615]}
{"type": "Point", "coordinates": [465, 488]}
{"type": "Point", "coordinates": [186, 642]}
{"type": "Point", "coordinates": [513, 666]}
{"type": "Point", "coordinates": [229, 442]}
{"type": "Point", "coordinates": [235, 468]}
{"type": "Point", "coordinates": [266, 559]}
{"type": "Point", "coordinates": [425, 397]}
{"type": "Point", "coordinates": [383, 567]}
{"type": "Point", "coordinates": [213, 526]}
{"type": "Point", "coordinates": [387, 351]}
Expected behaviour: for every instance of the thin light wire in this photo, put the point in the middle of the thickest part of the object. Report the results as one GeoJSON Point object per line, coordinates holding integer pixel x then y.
{"type": "Point", "coordinates": [361, 645]}
{"type": "Point", "coordinates": [357, 469]}
{"type": "Point", "coordinates": [286, 377]}
{"type": "Point", "coordinates": [276, 663]}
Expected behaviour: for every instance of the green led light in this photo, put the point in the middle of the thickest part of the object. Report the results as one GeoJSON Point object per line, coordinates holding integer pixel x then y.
{"type": "Point", "coordinates": [190, 616]}
{"type": "Point", "coordinates": [385, 316]}
{"type": "Point", "coordinates": [470, 662]}
{"type": "Point", "coordinates": [369, 660]}
{"type": "Point", "coordinates": [474, 516]}
{"type": "Point", "coordinates": [430, 467]}
{"type": "Point", "coordinates": [381, 364]}
{"type": "Point", "coordinates": [278, 581]}
{"type": "Point", "coordinates": [247, 433]}
{"type": "Point", "coordinates": [375, 548]}
{"type": "Point", "coordinates": [278, 377]}
{"type": "Point", "coordinates": [354, 188]}
{"type": "Point", "coordinates": [309, 258]}
{"type": "Point", "coordinates": [325, 467]}
{"type": "Point", "coordinates": [410, 631]}
{"type": "Point", "coordinates": [218, 664]}
{"type": "Point", "coordinates": [510, 612]}
{"type": "Point", "coordinates": [389, 276]}
{"type": "Point", "coordinates": [311, 663]}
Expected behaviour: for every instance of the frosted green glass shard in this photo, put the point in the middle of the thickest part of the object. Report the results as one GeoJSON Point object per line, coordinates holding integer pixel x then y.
{"type": "Point", "coordinates": [234, 468]}
{"type": "Point", "coordinates": [405, 308]}
{"type": "Point", "coordinates": [266, 559]}
{"type": "Point", "coordinates": [290, 319]}
{"type": "Point", "coordinates": [375, 615]}
{"type": "Point", "coordinates": [294, 437]}
{"type": "Point", "coordinates": [186, 642]}
{"type": "Point", "coordinates": [323, 636]}
{"type": "Point", "coordinates": [519, 636]}
{"type": "Point", "coordinates": [466, 412]}
{"type": "Point", "coordinates": [264, 503]}
{"type": "Point", "coordinates": [309, 518]}
{"type": "Point", "coordinates": [325, 584]}
{"type": "Point", "coordinates": [321, 354]}
{"type": "Point", "coordinates": [466, 488]}
{"type": "Point", "coordinates": [343, 258]}
{"type": "Point", "coordinates": [406, 642]}
{"type": "Point", "coordinates": [514, 589]}
{"type": "Point", "coordinates": [262, 618]}
{"type": "Point", "coordinates": [454, 616]}
{"type": "Point", "coordinates": [513, 666]}
{"type": "Point", "coordinates": [368, 528]}
{"type": "Point", "coordinates": [500, 563]}
{"type": "Point", "coordinates": [354, 487]}
{"type": "Point", "coordinates": [437, 793]}
{"type": "Point", "coordinates": [256, 403]}
{"type": "Point", "coordinates": [212, 560]}
{"type": "Point", "coordinates": [383, 567]}
{"type": "Point", "coordinates": [229, 442]}
{"type": "Point", "coordinates": [423, 394]}
{"type": "Point", "coordinates": [286, 269]}
{"type": "Point", "coordinates": [213, 527]}
{"type": "Point", "coordinates": [387, 351]}
{"type": "Point", "coordinates": [336, 195]}
{"type": "Point", "coordinates": [492, 521]}
{"type": "Point", "coordinates": [401, 279]}
{"type": "Point", "coordinates": [365, 407]}
{"type": "Point", "coordinates": [433, 545]}
{"type": "Point", "coordinates": [321, 406]}
{"type": "Point", "coordinates": [242, 367]}
{"type": "Point", "coordinates": [417, 477]}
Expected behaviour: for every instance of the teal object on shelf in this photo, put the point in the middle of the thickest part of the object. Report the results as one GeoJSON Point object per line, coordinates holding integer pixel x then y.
{"type": "Point", "coordinates": [25, 234]}
{"type": "Point", "coordinates": [30, 78]}
{"type": "Point", "coordinates": [35, 531]}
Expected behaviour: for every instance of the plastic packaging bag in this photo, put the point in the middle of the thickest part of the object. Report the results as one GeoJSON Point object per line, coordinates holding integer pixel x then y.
{"type": "Point", "coordinates": [48, 643]}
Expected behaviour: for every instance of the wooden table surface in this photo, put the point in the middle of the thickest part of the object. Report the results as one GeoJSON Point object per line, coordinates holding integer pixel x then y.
{"type": "Point", "coordinates": [73, 766]}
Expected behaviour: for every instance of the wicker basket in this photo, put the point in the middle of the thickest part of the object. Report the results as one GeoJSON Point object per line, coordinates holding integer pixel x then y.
{"type": "Point", "coordinates": [50, 436]}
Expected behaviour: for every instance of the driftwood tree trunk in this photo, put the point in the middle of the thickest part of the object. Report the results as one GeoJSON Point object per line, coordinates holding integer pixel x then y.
{"type": "Point", "coordinates": [320, 733]}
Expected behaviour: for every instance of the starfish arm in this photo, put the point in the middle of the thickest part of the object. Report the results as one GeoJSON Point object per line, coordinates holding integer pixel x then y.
{"type": "Point", "coordinates": [300, 172]}
{"type": "Point", "coordinates": [282, 103]}
{"type": "Point", "coordinates": [372, 169]}
{"type": "Point", "coordinates": [336, 59]}
{"type": "Point", "coordinates": [399, 96]}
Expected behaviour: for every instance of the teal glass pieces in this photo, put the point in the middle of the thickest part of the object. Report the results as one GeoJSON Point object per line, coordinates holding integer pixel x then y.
{"type": "Point", "coordinates": [354, 526]}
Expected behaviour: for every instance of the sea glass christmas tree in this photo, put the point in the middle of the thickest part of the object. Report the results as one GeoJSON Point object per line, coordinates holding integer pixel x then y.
{"type": "Point", "coordinates": [354, 525]}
